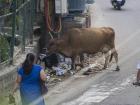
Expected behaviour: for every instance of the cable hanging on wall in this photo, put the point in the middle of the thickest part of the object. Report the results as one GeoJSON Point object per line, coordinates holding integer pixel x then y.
{"type": "Point", "coordinates": [50, 28]}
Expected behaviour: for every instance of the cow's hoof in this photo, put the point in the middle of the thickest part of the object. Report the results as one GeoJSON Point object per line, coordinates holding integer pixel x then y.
{"type": "Point", "coordinates": [86, 73]}
{"type": "Point", "coordinates": [136, 83]}
{"type": "Point", "coordinates": [117, 68]}
{"type": "Point", "coordinates": [104, 68]}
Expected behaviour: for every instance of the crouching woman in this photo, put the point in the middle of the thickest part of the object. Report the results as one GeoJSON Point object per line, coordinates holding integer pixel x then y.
{"type": "Point", "coordinates": [28, 79]}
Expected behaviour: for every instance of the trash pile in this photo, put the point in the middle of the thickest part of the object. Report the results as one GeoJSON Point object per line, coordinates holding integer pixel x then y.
{"type": "Point", "coordinates": [58, 67]}
{"type": "Point", "coordinates": [55, 63]}
{"type": "Point", "coordinates": [90, 59]}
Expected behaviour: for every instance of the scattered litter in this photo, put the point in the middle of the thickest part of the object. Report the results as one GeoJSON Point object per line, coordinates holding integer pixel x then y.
{"type": "Point", "coordinates": [59, 71]}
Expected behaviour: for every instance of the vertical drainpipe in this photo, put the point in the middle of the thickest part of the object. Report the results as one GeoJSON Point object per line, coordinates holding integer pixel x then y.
{"type": "Point", "coordinates": [13, 32]}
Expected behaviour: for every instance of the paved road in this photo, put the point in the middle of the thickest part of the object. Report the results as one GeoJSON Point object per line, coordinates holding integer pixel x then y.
{"type": "Point", "coordinates": [110, 88]}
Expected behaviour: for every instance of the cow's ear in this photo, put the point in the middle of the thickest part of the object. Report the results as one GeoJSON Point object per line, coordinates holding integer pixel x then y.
{"type": "Point", "coordinates": [59, 42]}
{"type": "Point", "coordinates": [51, 43]}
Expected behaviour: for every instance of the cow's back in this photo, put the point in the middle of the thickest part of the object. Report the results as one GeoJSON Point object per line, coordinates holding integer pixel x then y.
{"type": "Point", "coordinates": [90, 40]}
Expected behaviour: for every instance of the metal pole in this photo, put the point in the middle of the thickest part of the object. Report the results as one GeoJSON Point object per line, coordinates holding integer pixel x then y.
{"type": "Point", "coordinates": [0, 56]}
{"type": "Point", "coordinates": [24, 29]}
{"type": "Point", "coordinates": [31, 22]}
{"type": "Point", "coordinates": [13, 32]}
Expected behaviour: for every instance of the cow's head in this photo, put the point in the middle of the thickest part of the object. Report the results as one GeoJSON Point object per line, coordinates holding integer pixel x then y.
{"type": "Point", "coordinates": [56, 45]}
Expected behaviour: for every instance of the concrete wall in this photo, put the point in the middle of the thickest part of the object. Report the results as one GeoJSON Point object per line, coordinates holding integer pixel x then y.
{"type": "Point", "coordinates": [8, 73]}
{"type": "Point", "coordinates": [7, 80]}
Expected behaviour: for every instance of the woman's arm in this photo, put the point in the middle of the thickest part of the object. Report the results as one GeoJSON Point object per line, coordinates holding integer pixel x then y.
{"type": "Point", "coordinates": [17, 82]}
{"type": "Point", "coordinates": [42, 75]}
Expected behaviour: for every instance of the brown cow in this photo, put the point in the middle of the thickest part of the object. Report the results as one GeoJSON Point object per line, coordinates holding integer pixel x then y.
{"type": "Point", "coordinates": [86, 40]}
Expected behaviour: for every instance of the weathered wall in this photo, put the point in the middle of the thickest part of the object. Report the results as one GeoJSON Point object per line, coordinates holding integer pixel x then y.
{"type": "Point", "coordinates": [7, 80]}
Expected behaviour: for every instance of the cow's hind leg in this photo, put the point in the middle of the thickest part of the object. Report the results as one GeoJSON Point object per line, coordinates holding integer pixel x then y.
{"type": "Point", "coordinates": [115, 54]}
{"type": "Point", "coordinates": [106, 61]}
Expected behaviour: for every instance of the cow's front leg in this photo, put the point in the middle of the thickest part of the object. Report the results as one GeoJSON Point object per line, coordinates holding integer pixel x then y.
{"type": "Point", "coordinates": [73, 63]}
{"type": "Point", "coordinates": [82, 60]}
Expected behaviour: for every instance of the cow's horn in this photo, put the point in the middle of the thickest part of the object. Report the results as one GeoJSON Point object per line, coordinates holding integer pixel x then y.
{"type": "Point", "coordinates": [51, 35]}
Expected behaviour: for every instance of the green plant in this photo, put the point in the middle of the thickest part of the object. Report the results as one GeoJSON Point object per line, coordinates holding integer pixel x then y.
{"type": "Point", "coordinates": [4, 49]}
{"type": "Point", "coordinates": [4, 6]}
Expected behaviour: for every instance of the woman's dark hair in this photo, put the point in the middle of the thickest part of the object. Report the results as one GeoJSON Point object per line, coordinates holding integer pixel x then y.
{"type": "Point", "coordinates": [28, 63]}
